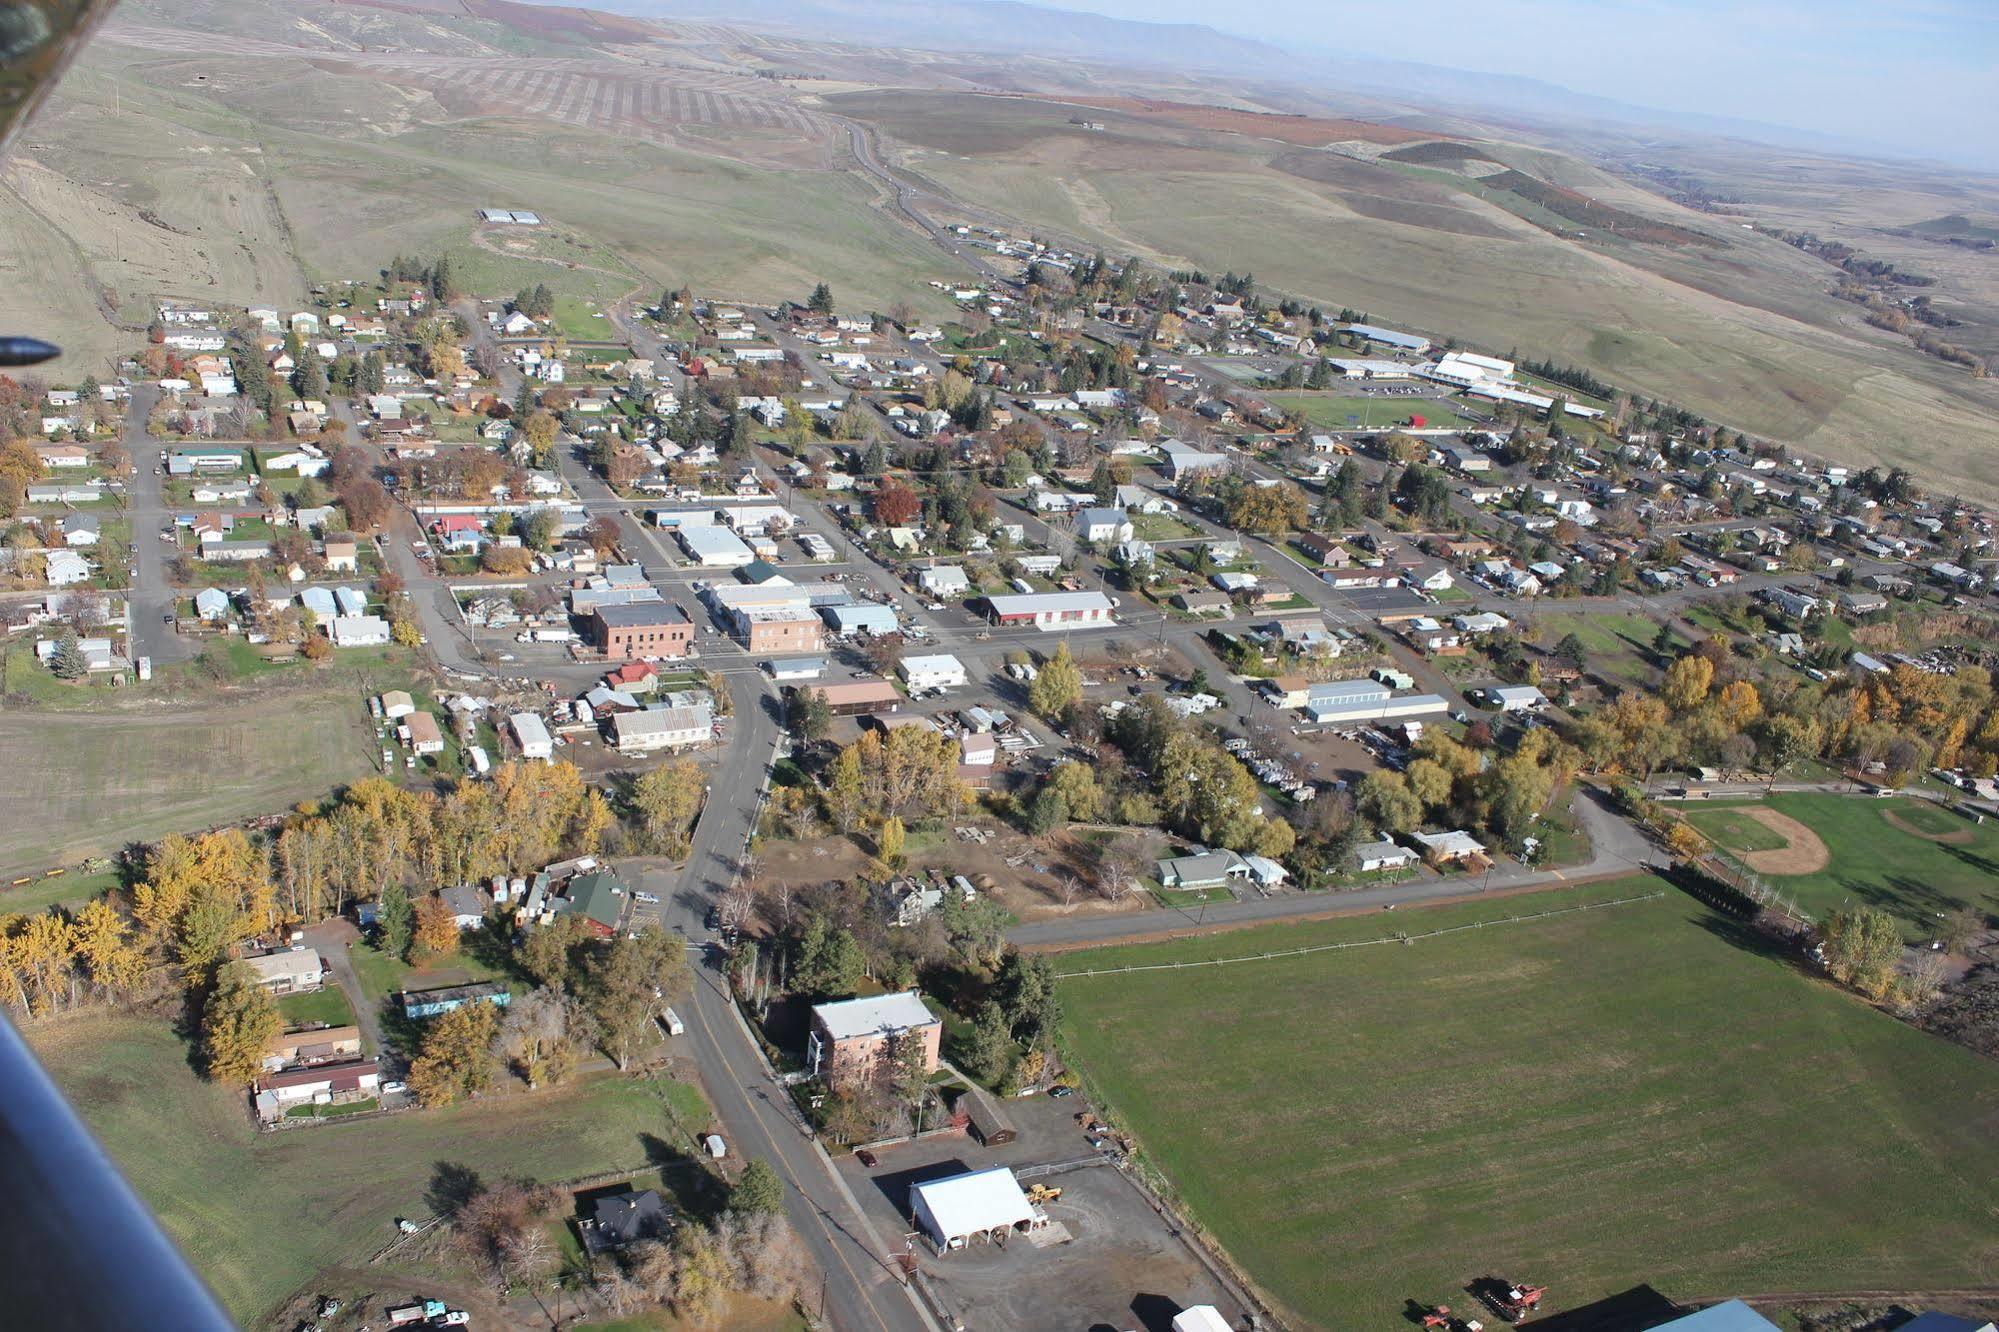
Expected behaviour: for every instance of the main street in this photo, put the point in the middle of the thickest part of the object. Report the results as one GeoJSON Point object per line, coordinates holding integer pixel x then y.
{"type": "Point", "coordinates": [150, 599]}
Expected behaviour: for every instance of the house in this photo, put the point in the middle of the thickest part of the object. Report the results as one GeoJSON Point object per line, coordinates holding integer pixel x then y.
{"type": "Point", "coordinates": [64, 568]}
{"type": "Point", "coordinates": [940, 671]}
{"type": "Point", "coordinates": [342, 554]}
{"type": "Point", "coordinates": [853, 698]}
{"type": "Point", "coordinates": [61, 457]}
{"type": "Point", "coordinates": [420, 1004]}
{"type": "Point", "coordinates": [849, 1037]}
{"type": "Point", "coordinates": [294, 971]}
{"type": "Point", "coordinates": [80, 529]}
{"type": "Point", "coordinates": [468, 904]}
{"type": "Point", "coordinates": [357, 630]}
{"type": "Point", "coordinates": [1184, 460]}
{"type": "Point", "coordinates": [1383, 855]}
{"type": "Point", "coordinates": [651, 729]}
{"type": "Point", "coordinates": [424, 736]}
{"type": "Point", "coordinates": [211, 605]}
{"type": "Point", "coordinates": [1051, 610]}
{"type": "Point", "coordinates": [1862, 603]}
{"type": "Point", "coordinates": [1206, 869]}
{"type": "Point", "coordinates": [642, 630]}
{"type": "Point", "coordinates": [1448, 847]}
{"type": "Point", "coordinates": [1325, 549]}
{"type": "Point", "coordinates": [396, 703]}
{"type": "Point", "coordinates": [532, 736]}
{"type": "Point", "coordinates": [624, 1218]}
{"type": "Point", "coordinates": [321, 1084]}
{"type": "Point", "coordinates": [1203, 603]}
{"type": "Point", "coordinates": [597, 897]}
{"type": "Point", "coordinates": [196, 459]}
{"type": "Point", "coordinates": [1103, 525]}
{"type": "Point", "coordinates": [944, 580]}
{"type": "Point", "coordinates": [959, 1210]}
{"type": "Point", "coordinates": [316, 1045]}
{"type": "Point", "coordinates": [1515, 698]}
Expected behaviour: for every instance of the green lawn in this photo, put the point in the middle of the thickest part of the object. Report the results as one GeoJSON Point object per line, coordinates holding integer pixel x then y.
{"type": "Point", "coordinates": [1602, 1098]}
{"type": "Point", "coordinates": [1619, 646]}
{"type": "Point", "coordinates": [72, 889]}
{"type": "Point", "coordinates": [1161, 527]}
{"type": "Point", "coordinates": [1732, 830]}
{"type": "Point", "coordinates": [329, 1006]}
{"type": "Point", "coordinates": [1358, 411]}
{"type": "Point", "coordinates": [1878, 864]}
{"type": "Point", "coordinates": [260, 1214]}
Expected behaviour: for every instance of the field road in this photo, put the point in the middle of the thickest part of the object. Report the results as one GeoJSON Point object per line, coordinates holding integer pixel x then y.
{"type": "Point", "coordinates": [757, 1118]}
{"type": "Point", "coordinates": [1615, 848]}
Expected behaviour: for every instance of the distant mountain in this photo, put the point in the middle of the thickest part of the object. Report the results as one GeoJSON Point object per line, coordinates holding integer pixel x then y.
{"type": "Point", "coordinates": [1000, 27]}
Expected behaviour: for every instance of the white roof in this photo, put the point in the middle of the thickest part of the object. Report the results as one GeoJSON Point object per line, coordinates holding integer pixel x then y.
{"type": "Point", "coordinates": [875, 1015]}
{"type": "Point", "coordinates": [528, 729]}
{"type": "Point", "coordinates": [1045, 603]}
{"type": "Point", "coordinates": [943, 663]}
{"type": "Point", "coordinates": [1201, 1318]}
{"type": "Point", "coordinates": [967, 1204]}
{"type": "Point", "coordinates": [273, 966]}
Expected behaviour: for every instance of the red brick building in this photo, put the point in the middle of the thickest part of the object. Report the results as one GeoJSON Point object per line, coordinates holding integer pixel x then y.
{"type": "Point", "coordinates": [642, 631]}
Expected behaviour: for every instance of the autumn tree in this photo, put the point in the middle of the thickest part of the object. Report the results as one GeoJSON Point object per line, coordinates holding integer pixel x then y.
{"type": "Point", "coordinates": [436, 934]}
{"type": "Point", "coordinates": [540, 1036]}
{"type": "Point", "coordinates": [895, 504]}
{"type": "Point", "coordinates": [238, 1021]}
{"type": "Point", "coordinates": [1687, 683]}
{"type": "Point", "coordinates": [1862, 945]}
{"type": "Point", "coordinates": [665, 801]}
{"type": "Point", "coordinates": [1058, 684]}
{"type": "Point", "coordinates": [199, 896]}
{"type": "Point", "coordinates": [503, 1229]}
{"type": "Point", "coordinates": [454, 1056]}
{"type": "Point", "coordinates": [626, 985]}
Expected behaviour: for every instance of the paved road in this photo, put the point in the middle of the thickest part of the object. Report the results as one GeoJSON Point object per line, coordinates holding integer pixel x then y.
{"type": "Point", "coordinates": [1615, 848]}
{"type": "Point", "coordinates": [151, 595]}
{"type": "Point", "coordinates": [756, 1116]}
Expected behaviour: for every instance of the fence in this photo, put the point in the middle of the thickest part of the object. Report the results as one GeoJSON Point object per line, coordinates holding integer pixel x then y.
{"type": "Point", "coordinates": [1364, 943]}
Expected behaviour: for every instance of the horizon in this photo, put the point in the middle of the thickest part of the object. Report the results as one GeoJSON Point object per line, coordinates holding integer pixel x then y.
{"type": "Point", "coordinates": [1782, 66]}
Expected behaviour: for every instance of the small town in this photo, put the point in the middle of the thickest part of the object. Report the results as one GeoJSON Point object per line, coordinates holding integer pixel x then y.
{"type": "Point", "coordinates": [1098, 795]}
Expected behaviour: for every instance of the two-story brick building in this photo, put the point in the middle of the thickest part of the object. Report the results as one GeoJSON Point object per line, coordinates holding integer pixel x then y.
{"type": "Point", "coordinates": [642, 630]}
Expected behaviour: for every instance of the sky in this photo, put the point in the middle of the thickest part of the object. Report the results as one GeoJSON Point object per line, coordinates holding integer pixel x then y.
{"type": "Point", "coordinates": [1917, 76]}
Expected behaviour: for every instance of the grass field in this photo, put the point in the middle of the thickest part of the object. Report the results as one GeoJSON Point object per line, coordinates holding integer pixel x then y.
{"type": "Point", "coordinates": [1732, 830]}
{"type": "Point", "coordinates": [329, 1006]}
{"type": "Point", "coordinates": [1877, 863]}
{"type": "Point", "coordinates": [1619, 646]}
{"type": "Point", "coordinates": [88, 782]}
{"type": "Point", "coordinates": [1342, 411]}
{"type": "Point", "coordinates": [1595, 1100]}
{"type": "Point", "coordinates": [261, 1214]}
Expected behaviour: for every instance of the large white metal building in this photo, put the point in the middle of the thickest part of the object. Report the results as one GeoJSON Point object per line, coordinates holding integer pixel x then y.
{"type": "Point", "coordinates": [978, 1205]}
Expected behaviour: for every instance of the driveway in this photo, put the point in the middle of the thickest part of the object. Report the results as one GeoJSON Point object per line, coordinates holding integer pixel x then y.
{"type": "Point", "coordinates": [333, 938]}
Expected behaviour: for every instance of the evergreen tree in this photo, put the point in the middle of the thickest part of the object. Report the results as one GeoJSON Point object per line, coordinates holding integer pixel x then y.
{"type": "Point", "coordinates": [68, 662]}
{"type": "Point", "coordinates": [822, 300]}
{"type": "Point", "coordinates": [443, 282]}
{"type": "Point", "coordinates": [395, 919]}
{"type": "Point", "coordinates": [758, 1192]}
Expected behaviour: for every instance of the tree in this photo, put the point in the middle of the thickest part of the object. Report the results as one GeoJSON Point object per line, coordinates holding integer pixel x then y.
{"type": "Point", "coordinates": [1118, 867]}
{"type": "Point", "coordinates": [395, 920]}
{"type": "Point", "coordinates": [540, 1034]}
{"type": "Point", "coordinates": [895, 504]}
{"type": "Point", "coordinates": [626, 985]}
{"type": "Point", "coordinates": [1686, 842]}
{"type": "Point", "coordinates": [454, 1057]}
{"type": "Point", "coordinates": [758, 1191]}
{"type": "Point", "coordinates": [1059, 684]}
{"type": "Point", "coordinates": [891, 843]}
{"type": "Point", "coordinates": [828, 961]}
{"type": "Point", "coordinates": [1571, 650]}
{"type": "Point", "coordinates": [808, 715]}
{"type": "Point", "coordinates": [1025, 991]}
{"type": "Point", "coordinates": [990, 1049]}
{"type": "Point", "coordinates": [67, 662]}
{"type": "Point", "coordinates": [1862, 945]}
{"type": "Point", "coordinates": [102, 941]}
{"type": "Point", "coordinates": [547, 952]}
{"type": "Point", "coordinates": [436, 933]}
{"type": "Point", "coordinates": [666, 800]}
{"type": "Point", "coordinates": [821, 302]}
{"type": "Point", "coordinates": [503, 1229]}
{"type": "Point", "coordinates": [238, 1022]}
{"type": "Point", "coordinates": [1385, 800]}
{"type": "Point", "coordinates": [1048, 812]}
{"type": "Point", "coordinates": [702, 1276]}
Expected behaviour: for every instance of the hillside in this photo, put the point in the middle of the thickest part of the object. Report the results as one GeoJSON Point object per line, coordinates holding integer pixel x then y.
{"type": "Point", "coordinates": [241, 150]}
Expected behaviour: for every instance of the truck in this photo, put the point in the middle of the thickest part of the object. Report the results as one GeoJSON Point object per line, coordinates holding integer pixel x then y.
{"type": "Point", "coordinates": [545, 636]}
{"type": "Point", "coordinates": [671, 1021]}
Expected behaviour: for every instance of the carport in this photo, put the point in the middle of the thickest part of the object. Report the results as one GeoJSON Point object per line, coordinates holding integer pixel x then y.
{"type": "Point", "coordinates": [978, 1205]}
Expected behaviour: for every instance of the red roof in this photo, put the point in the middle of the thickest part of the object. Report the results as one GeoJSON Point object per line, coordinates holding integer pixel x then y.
{"type": "Point", "coordinates": [339, 1077]}
{"type": "Point", "coordinates": [632, 672]}
{"type": "Point", "coordinates": [459, 522]}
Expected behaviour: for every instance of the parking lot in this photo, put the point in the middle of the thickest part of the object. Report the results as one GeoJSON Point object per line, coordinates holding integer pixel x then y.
{"type": "Point", "coordinates": [1122, 1266]}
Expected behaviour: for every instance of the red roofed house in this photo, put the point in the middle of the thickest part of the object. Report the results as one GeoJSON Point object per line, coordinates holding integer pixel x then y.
{"type": "Point", "coordinates": [635, 677]}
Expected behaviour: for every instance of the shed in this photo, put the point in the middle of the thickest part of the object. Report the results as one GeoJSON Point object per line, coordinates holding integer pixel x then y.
{"type": "Point", "coordinates": [1201, 1318]}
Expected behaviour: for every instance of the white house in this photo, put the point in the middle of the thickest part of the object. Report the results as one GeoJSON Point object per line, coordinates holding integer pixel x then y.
{"type": "Point", "coordinates": [358, 630]}
{"type": "Point", "coordinates": [1382, 856]}
{"type": "Point", "coordinates": [941, 671]}
{"type": "Point", "coordinates": [944, 580]}
{"type": "Point", "coordinates": [662, 728]}
{"type": "Point", "coordinates": [1103, 525]}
